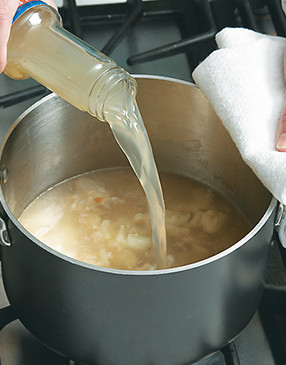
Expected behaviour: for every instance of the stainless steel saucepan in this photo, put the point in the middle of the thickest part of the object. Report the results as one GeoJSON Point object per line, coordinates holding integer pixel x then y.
{"type": "Point", "coordinates": [101, 316]}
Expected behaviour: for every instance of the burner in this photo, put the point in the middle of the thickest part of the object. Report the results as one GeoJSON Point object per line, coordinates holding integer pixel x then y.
{"type": "Point", "coordinates": [19, 347]}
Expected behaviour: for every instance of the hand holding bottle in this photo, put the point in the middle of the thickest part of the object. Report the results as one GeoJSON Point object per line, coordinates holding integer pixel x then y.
{"type": "Point", "coordinates": [7, 11]}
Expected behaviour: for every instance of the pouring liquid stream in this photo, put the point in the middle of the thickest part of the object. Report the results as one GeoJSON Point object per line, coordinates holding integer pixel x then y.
{"type": "Point", "coordinates": [126, 123]}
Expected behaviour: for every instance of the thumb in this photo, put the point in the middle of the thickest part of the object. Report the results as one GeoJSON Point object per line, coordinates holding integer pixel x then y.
{"type": "Point", "coordinates": [7, 11]}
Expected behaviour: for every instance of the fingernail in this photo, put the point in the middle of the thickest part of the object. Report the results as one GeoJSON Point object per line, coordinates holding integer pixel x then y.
{"type": "Point", "coordinates": [281, 144]}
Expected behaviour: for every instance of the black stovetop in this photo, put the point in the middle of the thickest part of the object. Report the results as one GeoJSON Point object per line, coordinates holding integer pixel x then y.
{"type": "Point", "coordinates": [166, 38]}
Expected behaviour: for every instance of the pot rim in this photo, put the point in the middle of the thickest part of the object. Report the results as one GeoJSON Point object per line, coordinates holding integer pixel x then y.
{"type": "Point", "coordinates": [209, 260]}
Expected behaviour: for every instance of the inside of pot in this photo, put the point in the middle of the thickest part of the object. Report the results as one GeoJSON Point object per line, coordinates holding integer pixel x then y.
{"type": "Point", "coordinates": [53, 141]}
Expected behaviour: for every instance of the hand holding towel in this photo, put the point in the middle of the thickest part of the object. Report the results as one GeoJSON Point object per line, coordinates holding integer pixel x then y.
{"type": "Point", "coordinates": [244, 81]}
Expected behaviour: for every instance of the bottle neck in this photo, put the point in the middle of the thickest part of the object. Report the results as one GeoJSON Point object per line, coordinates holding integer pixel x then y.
{"type": "Point", "coordinates": [115, 84]}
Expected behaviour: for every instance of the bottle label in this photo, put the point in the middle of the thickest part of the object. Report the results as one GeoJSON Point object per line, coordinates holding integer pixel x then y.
{"type": "Point", "coordinates": [24, 5]}
{"type": "Point", "coordinates": [21, 2]}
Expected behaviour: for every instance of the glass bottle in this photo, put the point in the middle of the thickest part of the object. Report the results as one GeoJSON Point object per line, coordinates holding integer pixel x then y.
{"type": "Point", "coordinates": [39, 47]}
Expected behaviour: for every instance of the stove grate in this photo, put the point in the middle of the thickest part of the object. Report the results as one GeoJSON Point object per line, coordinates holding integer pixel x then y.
{"type": "Point", "coordinates": [197, 20]}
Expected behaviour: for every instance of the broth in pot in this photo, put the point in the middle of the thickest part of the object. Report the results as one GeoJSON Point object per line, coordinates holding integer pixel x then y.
{"type": "Point", "coordinates": [102, 218]}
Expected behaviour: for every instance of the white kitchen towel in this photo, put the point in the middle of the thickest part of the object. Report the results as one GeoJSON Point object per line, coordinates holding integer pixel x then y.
{"type": "Point", "coordinates": [244, 81]}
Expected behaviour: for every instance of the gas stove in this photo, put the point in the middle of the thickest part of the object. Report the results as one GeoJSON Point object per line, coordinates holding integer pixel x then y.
{"type": "Point", "coordinates": [166, 38]}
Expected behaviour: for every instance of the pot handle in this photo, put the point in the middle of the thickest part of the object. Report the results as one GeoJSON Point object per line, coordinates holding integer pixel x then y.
{"type": "Point", "coordinates": [4, 237]}
{"type": "Point", "coordinates": [280, 223]}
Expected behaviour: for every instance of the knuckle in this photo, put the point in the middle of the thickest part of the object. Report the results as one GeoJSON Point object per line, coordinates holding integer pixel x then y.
{"type": "Point", "coordinates": [283, 119]}
{"type": "Point", "coordinates": [283, 115]}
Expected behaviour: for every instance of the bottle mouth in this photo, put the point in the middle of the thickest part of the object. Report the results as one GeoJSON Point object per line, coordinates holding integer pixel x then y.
{"type": "Point", "coordinates": [24, 7]}
{"type": "Point", "coordinates": [104, 87]}
{"type": "Point", "coordinates": [30, 4]}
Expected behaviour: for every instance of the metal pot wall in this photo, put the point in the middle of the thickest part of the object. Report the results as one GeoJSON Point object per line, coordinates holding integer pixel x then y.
{"type": "Point", "coordinates": [101, 316]}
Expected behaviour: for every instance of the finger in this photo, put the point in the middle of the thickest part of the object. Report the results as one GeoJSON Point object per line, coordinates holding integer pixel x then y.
{"type": "Point", "coordinates": [7, 11]}
{"type": "Point", "coordinates": [281, 132]}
